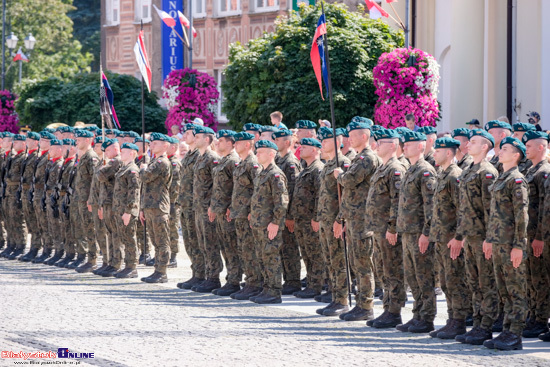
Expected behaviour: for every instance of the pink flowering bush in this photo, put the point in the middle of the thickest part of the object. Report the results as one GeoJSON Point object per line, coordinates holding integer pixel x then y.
{"type": "Point", "coordinates": [404, 89]}
{"type": "Point", "coordinates": [8, 116]}
{"type": "Point", "coordinates": [185, 103]}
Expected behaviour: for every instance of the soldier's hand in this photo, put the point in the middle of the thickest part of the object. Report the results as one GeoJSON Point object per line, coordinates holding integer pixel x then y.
{"type": "Point", "coordinates": [290, 225]}
{"type": "Point", "coordinates": [337, 172]}
{"type": "Point", "coordinates": [315, 226]}
{"type": "Point", "coordinates": [272, 230]}
{"type": "Point", "coordinates": [126, 218]}
{"type": "Point", "coordinates": [516, 255]}
{"type": "Point", "coordinates": [100, 213]}
{"type": "Point", "coordinates": [142, 217]}
{"type": "Point", "coordinates": [89, 207]}
{"type": "Point", "coordinates": [455, 246]}
{"type": "Point", "coordinates": [228, 215]}
{"type": "Point", "coordinates": [211, 215]}
{"type": "Point", "coordinates": [338, 229]}
{"type": "Point", "coordinates": [487, 249]}
{"type": "Point", "coordinates": [423, 243]}
{"type": "Point", "coordinates": [537, 247]}
{"type": "Point", "coordinates": [392, 238]}
{"type": "Point", "coordinates": [143, 166]}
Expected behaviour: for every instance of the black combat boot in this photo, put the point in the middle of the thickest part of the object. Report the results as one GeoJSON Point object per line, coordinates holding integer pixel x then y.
{"type": "Point", "coordinates": [29, 256]}
{"type": "Point", "coordinates": [173, 263]}
{"type": "Point", "coordinates": [46, 253]}
{"type": "Point", "coordinates": [156, 277]}
{"type": "Point", "coordinates": [457, 327]}
{"type": "Point", "coordinates": [75, 264]}
{"type": "Point", "coordinates": [306, 293]}
{"type": "Point", "coordinates": [391, 320]}
{"type": "Point", "coordinates": [227, 290]}
{"type": "Point", "coordinates": [207, 286]}
{"type": "Point", "coordinates": [55, 258]}
{"type": "Point", "coordinates": [480, 337]}
{"type": "Point", "coordinates": [188, 284]}
{"type": "Point", "coordinates": [16, 253]}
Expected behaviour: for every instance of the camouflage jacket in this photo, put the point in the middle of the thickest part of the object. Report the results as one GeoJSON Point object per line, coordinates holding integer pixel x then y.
{"type": "Point", "coordinates": [222, 183]}
{"type": "Point", "coordinates": [269, 202]}
{"type": "Point", "coordinates": [156, 180]}
{"type": "Point", "coordinates": [93, 198]}
{"type": "Point", "coordinates": [144, 158]}
{"type": "Point", "coordinates": [54, 168]}
{"type": "Point", "coordinates": [69, 164]}
{"type": "Point", "coordinates": [106, 177]}
{"type": "Point", "coordinates": [328, 208]}
{"type": "Point", "coordinates": [445, 205]}
{"type": "Point", "coordinates": [175, 165]}
{"type": "Point", "coordinates": [383, 198]}
{"type": "Point", "coordinates": [546, 211]}
{"type": "Point", "coordinates": [40, 176]}
{"type": "Point", "coordinates": [202, 179]}
{"type": "Point", "coordinates": [509, 205]}
{"type": "Point", "coordinates": [430, 158]}
{"type": "Point", "coordinates": [84, 173]}
{"type": "Point", "coordinates": [303, 206]}
{"type": "Point", "coordinates": [465, 162]}
{"type": "Point", "coordinates": [536, 177]}
{"type": "Point", "coordinates": [351, 154]}
{"type": "Point", "coordinates": [524, 165]}
{"type": "Point", "coordinates": [28, 174]}
{"type": "Point", "coordinates": [415, 199]}
{"type": "Point", "coordinates": [494, 161]}
{"type": "Point", "coordinates": [243, 186]}
{"type": "Point", "coordinates": [13, 176]}
{"type": "Point", "coordinates": [127, 190]}
{"type": "Point", "coordinates": [291, 167]}
{"type": "Point", "coordinates": [186, 179]}
{"type": "Point", "coordinates": [356, 183]}
{"type": "Point", "coordinates": [404, 161]}
{"type": "Point", "coordinates": [475, 199]}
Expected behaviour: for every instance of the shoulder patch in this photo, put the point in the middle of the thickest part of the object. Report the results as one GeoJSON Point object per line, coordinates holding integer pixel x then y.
{"type": "Point", "coordinates": [519, 180]}
{"type": "Point", "coordinates": [133, 172]}
{"type": "Point", "coordinates": [361, 157]}
{"type": "Point", "coordinates": [346, 165]}
{"type": "Point", "coordinates": [397, 173]}
{"type": "Point", "coordinates": [292, 166]}
{"type": "Point", "coordinates": [458, 180]}
{"type": "Point", "coordinates": [427, 174]}
{"type": "Point", "coordinates": [256, 166]}
{"type": "Point", "coordinates": [215, 161]}
{"type": "Point", "coordinates": [159, 160]}
{"type": "Point", "coordinates": [489, 175]}
{"type": "Point", "coordinates": [546, 175]}
{"type": "Point", "coordinates": [174, 164]}
{"type": "Point", "coordinates": [277, 175]}
{"type": "Point", "coordinates": [236, 164]}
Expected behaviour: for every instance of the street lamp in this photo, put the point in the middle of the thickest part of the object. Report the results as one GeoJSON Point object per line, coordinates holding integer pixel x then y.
{"type": "Point", "coordinates": [11, 40]}
{"type": "Point", "coordinates": [29, 42]}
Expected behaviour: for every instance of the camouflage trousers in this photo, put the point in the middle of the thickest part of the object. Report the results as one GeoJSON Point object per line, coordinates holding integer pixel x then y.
{"type": "Point", "coordinates": [247, 253]}
{"type": "Point", "coordinates": [481, 281]}
{"type": "Point", "coordinates": [54, 226]}
{"type": "Point", "coordinates": [31, 221]}
{"type": "Point", "coordinates": [127, 242]}
{"type": "Point", "coordinates": [360, 256]}
{"type": "Point", "coordinates": [17, 228]}
{"type": "Point", "coordinates": [538, 283]}
{"type": "Point", "coordinates": [2, 228]}
{"type": "Point", "coordinates": [270, 256]}
{"type": "Point", "coordinates": [42, 220]}
{"type": "Point", "coordinates": [290, 257]}
{"type": "Point", "coordinates": [144, 243]}
{"type": "Point", "coordinates": [230, 249]}
{"type": "Point", "coordinates": [191, 242]}
{"type": "Point", "coordinates": [419, 274]}
{"type": "Point", "coordinates": [453, 282]}
{"type": "Point", "coordinates": [68, 226]}
{"type": "Point", "coordinates": [100, 237]}
{"type": "Point", "coordinates": [312, 253]}
{"type": "Point", "coordinates": [393, 273]}
{"type": "Point", "coordinates": [158, 223]}
{"type": "Point", "coordinates": [174, 229]}
{"type": "Point", "coordinates": [112, 233]}
{"type": "Point", "coordinates": [335, 261]}
{"type": "Point", "coordinates": [379, 278]}
{"type": "Point", "coordinates": [511, 285]}
{"type": "Point", "coordinates": [86, 242]}
{"type": "Point", "coordinates": [210, 245]}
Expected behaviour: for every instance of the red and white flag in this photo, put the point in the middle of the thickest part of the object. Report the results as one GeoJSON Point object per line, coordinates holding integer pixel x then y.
{"type": "Point", "coordinates": [185, 23]}
{"type": "Point", "coordinates": [143, 60]}
{"type": "Point", "coordinates": [375, 10]}
{"type": "Point", "coordinates": [166, 18]}
{"type": "Point", "coordinates": [20, 56]}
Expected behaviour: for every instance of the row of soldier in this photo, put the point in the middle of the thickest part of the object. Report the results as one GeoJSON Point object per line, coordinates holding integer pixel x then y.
{"type": "Point", "coordinates": [408, 202]}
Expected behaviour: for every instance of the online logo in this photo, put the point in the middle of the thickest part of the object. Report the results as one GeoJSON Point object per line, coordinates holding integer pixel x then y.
{"type": "Point", "coordinates": [66, 353]}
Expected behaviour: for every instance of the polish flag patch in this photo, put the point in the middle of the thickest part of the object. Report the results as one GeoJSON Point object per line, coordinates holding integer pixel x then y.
{"type": "Point", "coordinates": [277, 175]}
{"type": "Point", "coordinates": [361, 157]}
{"type": "Point", "coordinates": [293, 166]}
{"type": "Point", "coordinates": [426, 174]}
{"type": "Point", "coordinates": [397, 173]}
{"type": "Point", "coordinates": [346, 165]}
{"type": "Point", "coordinates": [256, 166]}
{"type": "Point", "coordinates": [236, 164]}
{"type": "Point", "coordinates": [519, 180]}
{"type": "Point", "coordinates": [216, 162]}
{"type": "Point", "coordinates": [488, 175]}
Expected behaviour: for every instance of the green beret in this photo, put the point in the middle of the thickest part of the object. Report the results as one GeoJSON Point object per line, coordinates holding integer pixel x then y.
{"type": "Point", "coordinates": [446, 142]}
{"type": "Point", "coordinates": [33, 135]}
{"type": "Point", "coordinates": [8, 134]}
{"type": "Point", "coordinates": [342, 131]}
{"type": "Point", "coordinates": [515, 142]}
{"type": "Point", "coordinates": [130, 146]}
{"type": "Point", "coordinates": [362, 120]}
{"type": "Point", "coordinates": [386, 134]}
{"type": "Point", "coordinates": [483, 133]}
{"type": "Point", "coordinates": [402, 129]}
{"type": "Point", "coordinates": [461, 131]}
{"type": "Point", "coordinates": [357, 126]}
{"type": "Point", "coordinates": [140, 140]}
{"type": "Point", "coordinates": [175, 140]}
{"type": "Point", "coordinates": [408, 136]}
{"type": "Point", "coordinates": [83, 134]}
{"type": "Point", "coordinates": [69, 142]}
{"type": "Point", "coordinates": [46, 135]}
{"type": "Point", "coordinates": [107, 143]}
{"type": "Point", "coordinates": [427, 130]}
{"type": "Point", "coordinates": [65, 129]}
{"type": "Point", "coordinates": [91, 128]}
{"type": "Point", "coordinates": [311, 142]}
{"type": "Point", "coordinates": [473, 122]}
{"type": "Point", "coordinates": [189, 126]}
{"type": "Point", "coordinates": [522, 126]}
{"type": "Point", "coordinates": [305, 124]}
{"type": "Point", "coordinates": [266, 128]}
{"type": "Point", "coordinates": [281, 133]}
{"type": "Point", "coordinates": [199, 130]}
{"type": "Point", "coordinates": [327, 133]}
{"type": "Point", "coordinates": [243, 136]}
{"type": "Point", "coordinates": [132, 134]}
{"type": "Point", "coordinates": [266, 144]}
{"type": "Point", "coordinates": [49, 130]}
{"type": "Point", "coordinates": [493, 124]}
{"type": "Point", "coordinates": [530, 135]}
{"type": "Point", "coordinates": [230, 134]}
{"type": "Point", "coordinates": [99, 139]}
{"type": "Point", "coordinates": [375, 127]}
{"type": "Point", "coordinates": [110, 131]}
{"type": "Point", "coordinates": [55, 142]}
{"type": "Point", "coordinates": [160, 137]}
{"type": "Point", "coordinates": [121, 134]}
{"type": "Point", "coordinates": [252, 127]}
{"type": "Point", "coordinates": [19, 137]}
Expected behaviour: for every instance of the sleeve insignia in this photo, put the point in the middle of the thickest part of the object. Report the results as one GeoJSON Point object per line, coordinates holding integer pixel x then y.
{"type": "Point", "coordinates": [397, 173]}
{"type": "Point", "coordinates": [427, 174]}
{"type": "Point", "coordinates": [519, 180]}
{"type": "Point", "coordinates": [489, 175]}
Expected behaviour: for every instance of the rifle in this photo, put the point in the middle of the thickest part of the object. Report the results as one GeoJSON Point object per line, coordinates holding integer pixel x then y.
{"type": "Point", "coordinates": [46, 178]}
{"type": "Point", "coordinates": [20, 188]}
{"type": "Point", "coordinates": [5, 171]}
{"type": "Point", "coordinates": [67, 200]}
{"type": "Point", "coordinates": [30, 194]}
{"type": "Point", "coordinates": [54, 197]}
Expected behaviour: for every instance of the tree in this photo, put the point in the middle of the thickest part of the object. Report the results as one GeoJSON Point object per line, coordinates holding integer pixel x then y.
{"type": "Point", "coordinates": [55, 100]}
{"type": "Point", "coordinates": [274, 72]}
{"type": "Point", "coordinates": [87, 27]}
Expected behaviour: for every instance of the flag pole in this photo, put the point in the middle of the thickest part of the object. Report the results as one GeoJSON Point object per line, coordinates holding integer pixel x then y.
{"type": "Point", "coordinates": [144, 152]}
{"type": "Point", "coordinates": [332, 115]}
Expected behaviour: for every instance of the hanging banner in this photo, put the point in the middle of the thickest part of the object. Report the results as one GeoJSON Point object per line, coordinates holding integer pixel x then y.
{"type": "Point", "coordinates": [172, 47]}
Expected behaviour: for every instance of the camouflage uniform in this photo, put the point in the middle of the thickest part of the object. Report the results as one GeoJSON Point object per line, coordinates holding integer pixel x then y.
{"type": "Point", "coordinates": [188, 226]}
{"type": "Point", "coordinates": [17, 228]}
{"type": "Point", "coordinates": [442, 230]}
{"type": "Point", "coordinates": [328, 210]}
{"type": "Point", "coordinates": [404, 161]}
{"type": "Point", "coordinates": [67, 224]}
{"type": "Point", "coordinates": [430, 158]}
{"type": "Point", "coordinates": [144, 241]}
{"type": "Point", "coordinates": [351, 154]}
{"type": "Point", "coordinates": [100, 229]}
{"type": "Point", "coordinates": [155, 204]}
{"type": "Point", "coordinates": [507, 229]}
{"type": "Point", "coordinates": [30, 215]}
{"type": "Point", "coordinates": [381, 216]}
{"type": "Point", "coordinates": [356, 183]}
{"type": "Point", "coordinates": [414, 219]}
{"type": "Point", "coordinates": [303, 210]}
{"type": "Point", "coordinates": [3, 238]}
{"type": "Point", "coordinates": [39, 187]}
{"type": "Point", "coordinates": [290, 253]}
{"type": "Point", "coordinates": [465, 162]}
{"type": "Point", "coordinates": [126, 196]}
{"type": "Point", "coordinates": [494, 161]}
{"type": "Point", "coordinates": [269, 204]}
{"type": "Point", "coordinates": [222, 189]}
{"type": "Point", "coordinates": [524, 166]}
{"type": "Point", "coordinates": [206, 230]}
{"type": "Point", "coordinates": [475, 200]}
{"type": "Point", "coordinates": [54, 224]}
{"type": "Point", "coordinates": [175, 166]}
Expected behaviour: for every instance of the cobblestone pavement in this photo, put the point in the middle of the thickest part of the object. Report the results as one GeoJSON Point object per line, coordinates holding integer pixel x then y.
{"type": "Point", "coordinates": [130, 323]}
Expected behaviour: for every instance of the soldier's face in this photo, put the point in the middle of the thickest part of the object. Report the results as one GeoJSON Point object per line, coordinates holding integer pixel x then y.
{"type": "Point", "coordinates": [412, 149]}
{"type": "Point", "coordinates": [327, 146]}
{"type": "Point", "coordinates": [127, 155]}
{"type": "Point", "coordinates": [112, 150]}
{"type": "Point", "coordinates": [282, 143]}
{"type": "Point", "coordinates": [535, 147]}
{"type": "Point", "coordinates": [82, 143]}
{"type": "Point", "coordinates": [475, 146]}
{"type": "Point", "coordinates": [18, 145]}
{"type": "Point", "coordinates": [441, 156]}
{"type": "Point", "coordinates": [44, 144]}
{"type": "Point", "coordinates": [242, 146]}
{"type": "Point", "coordinates": [264, 155]}
{"type": "Point", "coordinates": [508, 154]}
{"type": "Point", "coordinates": [189, 137]}
{"type": "Point", "coordinates": [97, 149]}
{"type": "Point", "coordinates": [356, 138]}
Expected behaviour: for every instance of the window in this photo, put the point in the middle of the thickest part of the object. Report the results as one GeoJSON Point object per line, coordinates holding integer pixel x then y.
{"type": "Point", "coordinates": [266, 5]}
{"type": "Point", "coordinates": [199, 9]}
{"type": "Point", "coordinates": [219, 76]}
{"type": "Point", "coordinates": [229, 7]}
{"type": "Point", "coordinates": [112, 12]}
{"type": "Point", "coordinates": [143, 10]}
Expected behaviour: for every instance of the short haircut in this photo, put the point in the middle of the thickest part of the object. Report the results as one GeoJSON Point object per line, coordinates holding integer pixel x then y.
{"type": "Point", "coordinates": [409, 117]}
{"type": "Point", "coordinates": [277, 114]}
{"type": "Point", "coordinates": [232, 140]}
{"type": "Point", "coordinates": [210, 138]}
